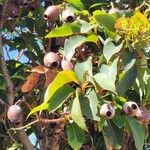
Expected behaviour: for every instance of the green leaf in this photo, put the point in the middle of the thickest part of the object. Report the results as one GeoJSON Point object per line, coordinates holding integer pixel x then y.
{"type": "Point", "coordinates": [110, 49]}
{"type": "Point", "coordinates": [71, 44]}
{"type": "Point", "coordinates": [82, 68]}
{"type": "Point", "coordinates": [138, 131]}
{"type": "Point", "coordinates": [85, 26]}
{"type": "Point", "coordinates": [126, 81]}
{"type": "Point", "coordinates": [92, 38]}
{"type": "Point", "coordinates": [62, 78]}
{"type": "Point", "coordinates": [89, 105]}
{"type": "Point", "coordinates": [75, 136]}
{"type": "Point", "coordinates": [107, 76]}
{"type": "Point", "coordinates": [77, 3]}
{"type": "Point", "coordinates": [43, 106]}
{"type": "Point", "coordinates": [113, 135]}
{"type": "Point", "coordinates": [107, 21]}
{"type": "Point", "coordinates": [76, 113]}
{"type": "Point", "coordinates": [65, 30]}
{"type": "Point", "coordinates": [59, 97]}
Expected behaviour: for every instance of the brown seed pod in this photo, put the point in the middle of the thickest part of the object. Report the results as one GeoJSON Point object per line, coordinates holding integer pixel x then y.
{"type": "Point", "coordinates": [68, 16]}
{"type": "Point", "coordinates": [12, 10]}
{"type": "Point", "coordinates": [52, 60]}
{"type": "Point", "coordinates": [107, 110]}
{"type": "Point", "coordinates": [51, 13]}
{"type": "Point", "coordinates": [67, 65]}
{"type": "Point", "coordinates": [130, 108]}
{"type": "Point", "coordinates": [14, 114]}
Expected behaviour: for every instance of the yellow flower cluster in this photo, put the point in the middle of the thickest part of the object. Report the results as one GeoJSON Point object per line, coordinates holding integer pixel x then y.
{"type": "Point", "coordinates": [135, 29]}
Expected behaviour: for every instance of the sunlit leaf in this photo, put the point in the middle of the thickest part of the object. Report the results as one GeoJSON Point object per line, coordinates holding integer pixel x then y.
{"type": "Point", "coordinates": [76, 113]}
{"type": "Point", "coordinates": [75, 135]}
{"type": "Point", "coordinates": [59, 97]}
{"type": "Point", "coordinates": [82, 68]}
{"type": "Point", "coordinates": [62, 78]}
{"type": "Point", "coordinates": [65, 30]}
{"type": "Point", "coordinates": [110, 49]}
{"type": "Point", "coordinates": [107, 76]}
{"type": "Point", "coordinates": [71, 44]}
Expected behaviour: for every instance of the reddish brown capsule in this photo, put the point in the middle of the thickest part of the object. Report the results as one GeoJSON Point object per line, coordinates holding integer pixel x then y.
{"type": "Point", "coordinates": [107, 110]}
{"type": "Point", "coordinates": [51, 13]}
{"type": "Point", "coordinates": [68, 16]}
{"type": "Point", "coordinates": [14, 114]}
{"type": "Point", "coordinates": [52, 60]}
{"type": "Point", "coordinates": [67, 65]}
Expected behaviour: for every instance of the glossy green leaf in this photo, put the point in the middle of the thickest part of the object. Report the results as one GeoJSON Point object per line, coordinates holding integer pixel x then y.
{"type": "Point", "coordinates": [59, 97]}
{"type": "Point", "coordinates": [75, 136]}
{"type": "Point", "coordinates": [113, 135]}
{"type": "Point", "coordinates": [89, 105]}
{"type": "Point", "coordinates": [107, 76]}
{"type": "Point", "coordinates": [126, 81]}
{"type": "Point", "coordinates": [43, 106]}
{"type": "Point", "coordinates": [92, 38]}
{"type": "Point", "coordinates": [62, 78]}
{"type": "Point", "coordinates": [76, 113]}
{"type": "Point", "coordinates": [82, 68]}
{"type": "Point", "coordinates": [71, 44]}
{"type": "Point", "coordinates": [85, 26]}
{"type": "Point", "coordinates": [110, 49]}
{"type": "Point", "coordinates": [107, 21]}
{"type": "Point", "coordinates": [138, 131]}
{"type": "Point", "coordinates": [65, 30]}
{"type": "Point", "coordinates": [77, 3]}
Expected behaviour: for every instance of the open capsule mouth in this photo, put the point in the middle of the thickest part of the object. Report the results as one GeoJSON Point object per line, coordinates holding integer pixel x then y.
{"type": "Point", "coordinates": [134, 107]}
{"type": "Point", "coordinates": [45, 16]}
{"type": "Point", "coordinates": [70, 19]}
{"type": "Point", "coordinates": [108, 114]}
{"type": "Point", "coordinates": [54, 65]}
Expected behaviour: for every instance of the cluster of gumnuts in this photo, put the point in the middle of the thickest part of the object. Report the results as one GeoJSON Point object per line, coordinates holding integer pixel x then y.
{"type": "Point", "coordinates": [129, 108]}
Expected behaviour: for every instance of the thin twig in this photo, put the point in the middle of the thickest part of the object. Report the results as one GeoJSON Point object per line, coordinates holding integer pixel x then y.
{"type": "Point", "coordinates": [43, 121]}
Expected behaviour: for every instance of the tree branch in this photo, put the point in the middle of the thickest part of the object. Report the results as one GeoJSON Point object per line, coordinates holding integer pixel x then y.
{"type": "Point", "coordinates": [9, 84]}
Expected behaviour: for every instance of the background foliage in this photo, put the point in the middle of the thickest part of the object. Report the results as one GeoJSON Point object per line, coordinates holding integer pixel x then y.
{"type": "Point", "coordinates": [110, 54]}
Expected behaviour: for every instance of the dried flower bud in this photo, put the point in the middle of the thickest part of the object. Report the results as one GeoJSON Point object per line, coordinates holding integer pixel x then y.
{"type": "Point", "coordinates": [130, 108]}
{"type": "Point", "coordinates": [52, 60]}
{"type": "Point", "coordinates": [68, 16]}
{"type": "Point", "coordinates": [14, 114]}
{"type": "Point", "coordinates": [51, 13]}
{"type": "Point", "coordinates": [67, 65]}
{"type": "Point", "coordinates": [107, 110]}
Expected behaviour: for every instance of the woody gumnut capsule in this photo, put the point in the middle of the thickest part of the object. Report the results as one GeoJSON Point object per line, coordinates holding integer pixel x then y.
{"type": "Point", "coordinates": [68, 16]}
{"type": "Point", "coordinates": [107, 110]}
{"type": "Point", "coordinates": [14, 114]}
{"type": "Point", "coordinates": [51, 13]}
{"type": "Point", "coordinates": [130, 108]}
{"type": "Point", "coordinates": [52, 60]}
{"type": "Point", "coordinates": [67, 65]}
